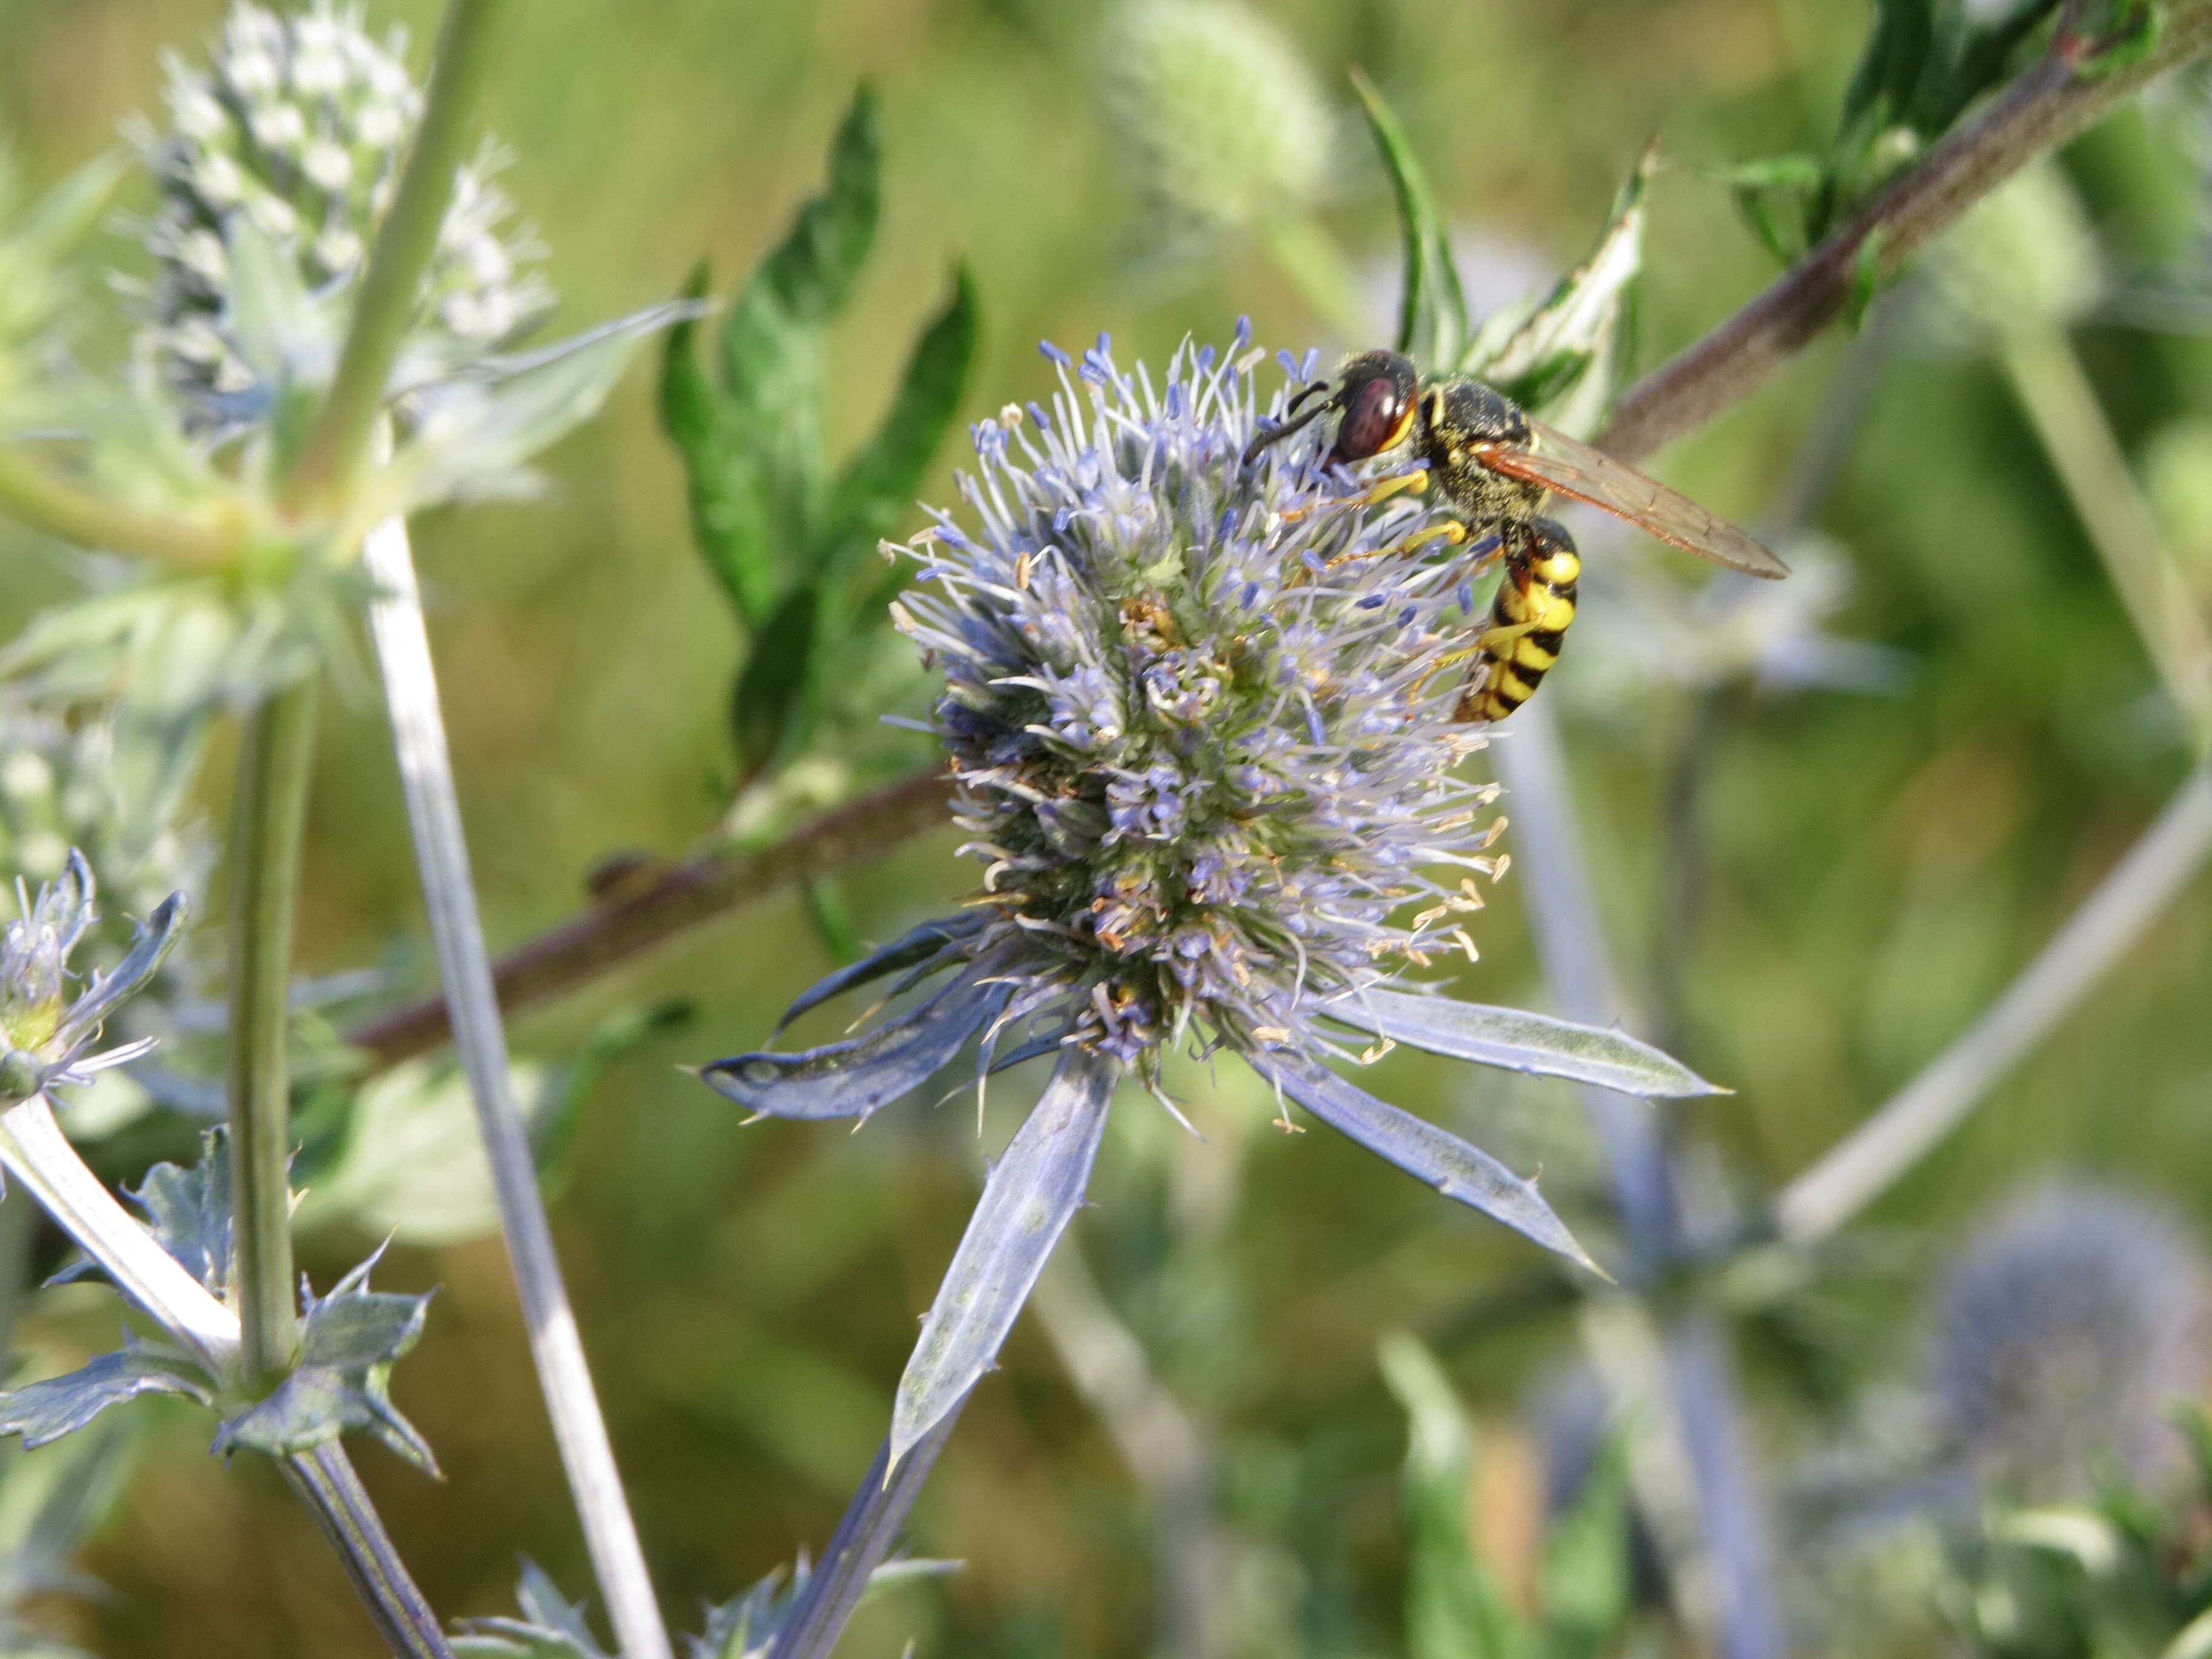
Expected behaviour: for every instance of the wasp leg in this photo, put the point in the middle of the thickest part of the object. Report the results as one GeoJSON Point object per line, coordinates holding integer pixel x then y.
{"type": "Point", "coordinates": [1381, 491]}
{"type": "Point", "coordinates": [1451, 530]}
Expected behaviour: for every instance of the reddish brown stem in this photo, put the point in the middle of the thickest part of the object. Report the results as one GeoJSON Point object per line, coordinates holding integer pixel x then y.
{"type": "Point", "coordinates": [2050, 104]}
{"type": "Point", "coordinates": [697, 891]}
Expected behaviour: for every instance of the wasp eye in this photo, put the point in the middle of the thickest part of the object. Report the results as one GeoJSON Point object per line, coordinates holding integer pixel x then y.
{"type": "Point", "coordinates": [1371, 420]}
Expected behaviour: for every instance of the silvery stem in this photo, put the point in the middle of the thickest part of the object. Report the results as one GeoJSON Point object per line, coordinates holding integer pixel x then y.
{"type": "Point", "coordinates": [863, 1537]}
{"type": "Point", "coordinates": [1714, 1551]}
{"type": "Point", "coordinates": [2140, 889]}
{"type": "Point", "coordinates": [434, 813]}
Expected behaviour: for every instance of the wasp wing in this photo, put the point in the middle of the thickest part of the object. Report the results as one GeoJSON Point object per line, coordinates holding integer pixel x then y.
{"type": "Point", "coordinates": [1573, 468]}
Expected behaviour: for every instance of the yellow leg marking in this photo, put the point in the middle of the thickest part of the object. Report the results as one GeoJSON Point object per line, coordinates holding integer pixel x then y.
{"type": "Point", "coordinates": [1381, 491]}
{"type": "Point", "coordinates": [1451, 530]}
{"type": "Point", "coordinates": [1496, 640]}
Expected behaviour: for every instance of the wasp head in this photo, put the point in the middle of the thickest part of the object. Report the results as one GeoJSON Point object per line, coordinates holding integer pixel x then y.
{"type": "Point", "coordinates": [1375, 393]}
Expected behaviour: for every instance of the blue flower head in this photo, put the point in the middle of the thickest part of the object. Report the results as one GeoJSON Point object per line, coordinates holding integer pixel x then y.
{"type": "Point", "coordinates": [1202, 748]}
{"type": "Point", "coordinates": [1204, 754]}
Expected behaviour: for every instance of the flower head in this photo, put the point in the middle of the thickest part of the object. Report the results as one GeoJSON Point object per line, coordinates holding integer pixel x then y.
{"type": "Point", "coordinates": [298, 125]}
{"type": "Point", "coordinates": [1201, 745]}
{"type": "Point", "coordinates": [1205, 754]}
{"type": "Point", "coordinates": [2064, 1332]}
{"type": "Point", "coordinates": [45, 1034]}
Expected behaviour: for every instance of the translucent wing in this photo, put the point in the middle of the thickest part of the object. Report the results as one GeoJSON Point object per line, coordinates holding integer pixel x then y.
{"type": "Point", "coordinates": [1573, 468]}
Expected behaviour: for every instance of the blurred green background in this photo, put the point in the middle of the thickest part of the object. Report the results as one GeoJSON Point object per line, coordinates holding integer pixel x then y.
{"type": "Point", "coordinates": [1875, 866]}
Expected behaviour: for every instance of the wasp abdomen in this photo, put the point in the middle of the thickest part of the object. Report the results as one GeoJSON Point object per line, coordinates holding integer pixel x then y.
{"type": "Point", "coordinates": [1534, 605]}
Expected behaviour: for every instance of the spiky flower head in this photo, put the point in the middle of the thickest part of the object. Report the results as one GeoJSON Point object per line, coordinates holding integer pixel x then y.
{"type": "Point", "coordinates": [1225, 123]}
{"type": "Point", "coordinates": [1200, 744]}
{"type": "Point", "coordinates": [46, 1035]}
{"type": "Point", "coordinates": [300, 123]}
{"type": "Point", "coordinates": [2064, 1333]}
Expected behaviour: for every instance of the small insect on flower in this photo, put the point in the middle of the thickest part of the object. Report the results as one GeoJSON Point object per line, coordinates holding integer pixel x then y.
{"type": "Point", "coordinates": [1197, 751]}
{"type": "Point", "coordinates": [1495, 465]}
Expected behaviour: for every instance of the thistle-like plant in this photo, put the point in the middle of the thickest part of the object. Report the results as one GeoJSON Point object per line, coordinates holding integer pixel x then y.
{"type": "Point", "coordinates": [297, 125]}
{"type": "Point", "coordinates": [1206, 758]}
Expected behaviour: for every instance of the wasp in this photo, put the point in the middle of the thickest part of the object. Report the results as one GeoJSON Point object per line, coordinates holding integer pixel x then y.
{"type": "Point", "coordinates": [1496, 465]}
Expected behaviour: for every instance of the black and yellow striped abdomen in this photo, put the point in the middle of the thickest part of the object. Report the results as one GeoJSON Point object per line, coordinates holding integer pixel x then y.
{"type": "Point", "coordinates": [1528, 620]}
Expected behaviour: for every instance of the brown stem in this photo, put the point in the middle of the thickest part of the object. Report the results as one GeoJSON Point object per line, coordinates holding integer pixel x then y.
{"type": "Point", "coordinates": [2050, 105]}
{"type": "Point", "coordinates": [697, 891]}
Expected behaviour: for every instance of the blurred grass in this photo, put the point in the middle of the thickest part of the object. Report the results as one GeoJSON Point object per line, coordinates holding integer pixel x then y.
{"type": "Point", "coordinates": [1880, 866]}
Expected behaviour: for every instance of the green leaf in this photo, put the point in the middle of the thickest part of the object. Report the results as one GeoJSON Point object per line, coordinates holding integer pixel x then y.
{"type": "Point", "coordinates": [879, 483]}
{"type": "Point", "coordinates": [1588, 1593]}
{"type": "Point", "coordinates": [771, 707]}
{"type": "Point", "coordinates": [832, 918]}
{"type": "Point", "coordinates": [551, 1627]}
{"type": "Point", "coordinates": [1454, 1608]}
{"type": "Point", "coordinates": [188, 1211]}
{"type": "Point", "coordinates": [347, 1343]}
{"type": "Point", "coordinates": [41, 1412]}
{"type": "Point", "coordinates": [772, 342]}
{"type": "Point", "coordinates": [1515, 1040]}
{"type": "Point", "coordinates": [1433, 320]}
{"type": "Point", "coordinates": [728, 521]}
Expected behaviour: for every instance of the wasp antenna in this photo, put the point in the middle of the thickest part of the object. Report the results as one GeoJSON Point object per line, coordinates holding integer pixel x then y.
{"type": "Point", "coordinates": [1291, 422]}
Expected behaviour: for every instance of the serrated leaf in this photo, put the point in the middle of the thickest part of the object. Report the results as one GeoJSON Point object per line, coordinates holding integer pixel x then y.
{"type": "Point", "coordinates": [1419, 1147]}
{"type": "Point", "coordinates": [188, 1211]}
{"type": "Point", "coordinates": [413, 1167]}
{"type": "Point", "coordinates": [746, 1627]}
{"type": "Point", "coordinates": [41, 1412]}
{"type": "Point", "coordinates": [1433, 320]}
{"type": "Point", "coordinates": [772, 342]}
{"type": "Point", "coordinates": [879, 483]}
{"type": "Point", "coordinates": [150, 945]}
{"type": "Point", "coordinates": [1515, 1040]}
{"type": "Point", "coordinates": [1027, 1200]}
{"type": "Point", "coordinates": [551, 1627]}
{"type": "Point", "coordinates": [1454, 1607]}
{"type": "Point", "coordinates": [349, 1340]}
{"type": "Point", "coordinates": [858, 1076]}
{"type": "Point", "coordinates": [729, 518]}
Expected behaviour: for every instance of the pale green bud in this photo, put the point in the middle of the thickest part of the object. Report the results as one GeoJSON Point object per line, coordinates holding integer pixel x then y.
{"type": "Point", "coordinates": [2024, 258]}
{"type": "Point", "coordinates": [300, 123]}
{"type": "Point", "coordinates": [1224, 122]}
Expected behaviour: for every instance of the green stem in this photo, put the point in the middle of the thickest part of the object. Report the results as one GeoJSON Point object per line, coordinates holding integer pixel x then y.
{"type": "Point", "coordinates": [391, 287]}
{"type": "Point", "coordinates": [43, 499]}
{"type": "Point", "coordinates": [276, 755]}
{"type": "Point", "coordinates": [2046, 376]}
